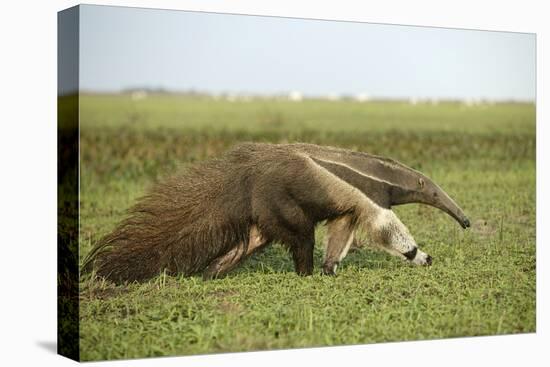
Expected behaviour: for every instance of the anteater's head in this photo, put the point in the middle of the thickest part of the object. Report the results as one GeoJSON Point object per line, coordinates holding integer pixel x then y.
{"type": "Point", "coordinates": [414, 187]}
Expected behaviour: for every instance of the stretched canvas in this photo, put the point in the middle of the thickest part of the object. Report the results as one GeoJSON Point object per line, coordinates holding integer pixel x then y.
{"type": "Point", "coordinates": [242, 183]}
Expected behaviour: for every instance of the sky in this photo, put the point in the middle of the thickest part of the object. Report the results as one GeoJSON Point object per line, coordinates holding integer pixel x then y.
{"type": "Point", "coordinates": [220, 53]}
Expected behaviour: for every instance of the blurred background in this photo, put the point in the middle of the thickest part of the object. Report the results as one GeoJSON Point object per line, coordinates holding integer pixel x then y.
{"type": "Point", "coordinates": [236, 56]}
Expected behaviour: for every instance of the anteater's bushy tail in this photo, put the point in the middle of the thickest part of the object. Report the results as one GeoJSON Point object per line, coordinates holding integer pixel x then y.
{"type": "Point", "coordinates": [182, 225]}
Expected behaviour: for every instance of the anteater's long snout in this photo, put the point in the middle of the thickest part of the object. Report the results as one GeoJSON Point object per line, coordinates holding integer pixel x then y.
{"type": "Point", "coordinates": [441, 200]}
{"type": "Point", "coordinates": [448, 205]}
{"type": "Point", "coordinates": [458, 215]}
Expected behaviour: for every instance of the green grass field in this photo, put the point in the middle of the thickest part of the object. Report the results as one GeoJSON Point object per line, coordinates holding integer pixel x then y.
{"type": "Point", "coordinates": [482, 281]}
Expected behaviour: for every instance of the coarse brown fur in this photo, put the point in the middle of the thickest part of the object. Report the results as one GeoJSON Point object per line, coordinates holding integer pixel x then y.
{"type": "Point", "coordinates": [200, 218]}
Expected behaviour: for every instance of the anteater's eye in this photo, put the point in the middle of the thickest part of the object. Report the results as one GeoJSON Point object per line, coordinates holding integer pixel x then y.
{"type": "Point", "coordinates": [435, 194]}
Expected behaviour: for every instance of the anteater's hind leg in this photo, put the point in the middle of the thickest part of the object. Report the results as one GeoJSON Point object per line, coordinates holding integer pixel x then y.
{"type": "Point", "coordinates": [340, 236]}
{"type": "Point", "coordinates": [223, 264]}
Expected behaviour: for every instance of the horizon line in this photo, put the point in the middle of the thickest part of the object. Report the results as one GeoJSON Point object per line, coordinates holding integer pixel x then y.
{"type": "Point", "coordinates": [294, 94]}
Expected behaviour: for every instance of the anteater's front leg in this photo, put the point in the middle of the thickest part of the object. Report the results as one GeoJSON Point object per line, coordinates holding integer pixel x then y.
{"type": "Point", "coordinates": [302, 253]}
{"type": "Point", "coordinates": [391, 235]}
{"type": "Point", "coordinates": [340, 236]}
{"type": "Point", "coordinates": [283, 220]}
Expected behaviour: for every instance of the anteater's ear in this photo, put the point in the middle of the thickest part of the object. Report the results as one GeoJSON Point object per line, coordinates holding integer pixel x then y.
{"type": "Point", "coordinates": [421, 183]}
